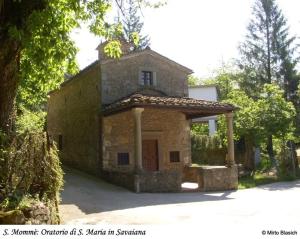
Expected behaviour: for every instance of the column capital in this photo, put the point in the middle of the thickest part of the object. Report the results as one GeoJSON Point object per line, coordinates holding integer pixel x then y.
{"type": "Point", "coordinates": [137, 111]}
{"type": "Point", "coordinates": [229, 115]}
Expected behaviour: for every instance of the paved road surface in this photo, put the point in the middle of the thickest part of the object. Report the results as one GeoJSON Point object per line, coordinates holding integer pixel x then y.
{"type": "Point", "coordinates": [88, 200]}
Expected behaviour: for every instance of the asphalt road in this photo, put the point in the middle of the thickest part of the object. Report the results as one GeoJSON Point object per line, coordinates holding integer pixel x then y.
{"type": "Point", "coordinates": [88, 200]}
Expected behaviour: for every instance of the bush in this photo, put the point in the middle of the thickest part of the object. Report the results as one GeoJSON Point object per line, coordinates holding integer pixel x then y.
{"type": "Point", "coordinates": [29, 168]}
{"type": "Point", "coordinates": [200, 128]}
{"type": "Point", "coordinates": [204, 142]}
{"type": "Point", "coordinates": [207, 150]}
{"type": "Point", "coordinates": [30, 121]}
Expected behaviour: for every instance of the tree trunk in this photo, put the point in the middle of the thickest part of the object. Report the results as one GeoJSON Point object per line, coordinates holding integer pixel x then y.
{"type": "Point", "coordinates": [249, 163]}
{"type": "Point", "coordinates": [269, 80]}
{"type": "Point", "coordinates": [9, 78]}
{"type": "Point", "coordinates": [271, 152]}
{"type": "Point", "coordinates": [293, 160]}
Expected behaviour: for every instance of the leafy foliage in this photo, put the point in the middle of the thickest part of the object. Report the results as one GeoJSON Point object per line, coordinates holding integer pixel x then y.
{"type": "Point", "coordinates": [207, 150]}
{"type": "Point", "coordinates": [202, 142]}
{"type": "Point", "coordinates": [268, 56]}
{"type": "Point", "coordinates": [48, 52]}
{"type": "Point", "coordinates": [41, 29]}
{"type": "Point", "coordinates": [226, 79]}
{"type": "Point", "coordinates": [200, 129]}
{"type": "Point", "coordinates": [246, 118]}
{"type": "Point", "coordinates": [29, 166]}
{"type": "Point", "coordinates": [276, 114]}
{"type": "Point", "coordinates": [193, 80]}
{"type": "Point", "coordinates": [256, 118]}
{"type": "Point", "coordinates": [30, 121]}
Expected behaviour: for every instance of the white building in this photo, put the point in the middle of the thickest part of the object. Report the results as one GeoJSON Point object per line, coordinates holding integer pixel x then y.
{"type": "Point", "coordinates": [205, 92]}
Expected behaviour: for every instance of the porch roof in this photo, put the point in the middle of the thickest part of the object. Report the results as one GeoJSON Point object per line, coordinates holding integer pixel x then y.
{"type": "Point", "coordinates": [192, 108]}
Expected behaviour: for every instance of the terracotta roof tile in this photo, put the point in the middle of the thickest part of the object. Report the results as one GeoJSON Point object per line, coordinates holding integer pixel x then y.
{"type": "Point", "coordinates": [181, 103]}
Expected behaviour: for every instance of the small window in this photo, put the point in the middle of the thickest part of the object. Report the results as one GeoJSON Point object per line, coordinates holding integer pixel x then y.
{"type": "Point", "coordinates": [123, 158]}
{"type": "Point", "coordinates": [174, 156]}
{"type": "Point", "coordinates": [147, 77]}
{"type": "Point", "coordinates": [60, 142]}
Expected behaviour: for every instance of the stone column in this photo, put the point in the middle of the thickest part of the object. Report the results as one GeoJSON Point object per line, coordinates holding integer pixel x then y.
{"type": "Point", "coordinates": [137, 113]}
{"type": "Point", "coordinates": [230, 142]}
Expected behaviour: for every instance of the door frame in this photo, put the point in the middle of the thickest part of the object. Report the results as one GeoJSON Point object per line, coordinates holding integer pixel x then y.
{"type": "Point", "coordinates": [155, 135]}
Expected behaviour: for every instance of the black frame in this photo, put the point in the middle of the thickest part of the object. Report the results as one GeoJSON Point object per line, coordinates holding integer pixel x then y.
{"type": "Point", "coordinates": [174, 156]}
{"type": "Point", "coordinates": [147, 77]}
{"type": "Point", "coordinates": [123, 158]}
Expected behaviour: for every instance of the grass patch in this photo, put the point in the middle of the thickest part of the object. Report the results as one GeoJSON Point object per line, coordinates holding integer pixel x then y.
{"type": "Point", "coordinates": [256, 180]}
{"type": "Point", "coordinates": [261, 179]}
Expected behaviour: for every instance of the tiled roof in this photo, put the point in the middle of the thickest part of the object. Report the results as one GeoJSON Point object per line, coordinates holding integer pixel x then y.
{"type": "Point", "coordinates": [186, 105]}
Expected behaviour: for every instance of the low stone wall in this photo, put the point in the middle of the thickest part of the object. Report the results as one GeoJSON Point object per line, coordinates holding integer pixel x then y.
{"type": "Point", "coordinates": [162, 181]}
{"type": "Point", "coordinates": [191, 174]}
{"type": "Point", "coordinates": [212, 178]}
{"type": "Point", "coordinates": [36, 214]}
{"type": "Point", "coordinates": [126, 180]}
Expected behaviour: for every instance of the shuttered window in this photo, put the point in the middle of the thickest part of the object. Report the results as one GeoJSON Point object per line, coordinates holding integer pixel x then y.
{"type": "Point", "coordinates": [147, 77]}
{"type": "Point", "coordinates": [174, 156]}
{"type": "Point", "coordinates": [123, 158]}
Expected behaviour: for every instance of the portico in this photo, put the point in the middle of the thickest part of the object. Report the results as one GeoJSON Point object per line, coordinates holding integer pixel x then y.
{"type": "Point", "coordinates": [156, 139]}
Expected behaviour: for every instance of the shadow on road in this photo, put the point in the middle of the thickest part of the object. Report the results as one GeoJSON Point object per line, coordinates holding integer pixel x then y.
{"type": "Point", "coordinates": [281, 186]}
{"type": "Point", "coordinates": [92, 195]}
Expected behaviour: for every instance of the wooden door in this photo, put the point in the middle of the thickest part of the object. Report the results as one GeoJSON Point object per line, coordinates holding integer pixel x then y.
{"type": "Point", "coordinates": [150, 155]}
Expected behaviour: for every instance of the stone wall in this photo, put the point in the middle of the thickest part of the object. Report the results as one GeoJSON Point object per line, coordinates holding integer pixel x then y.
{"type": "Point", "coordinates": [118, 137]}
{"type": "Point", "coordinates": [191, 174]}
{"type": "Point", "coordinates": [73, 113]}
{"type": "Point", "coordinates": [218, 178]}
{"type": "Point", "coordinates": [123, 179]}
{"type": "Point", "coordinates": [35, 214]}
{"type": "Point", "coordinates": [121, 78]}
{"type": "Point", "coordinates": [169, 127]}
{"type": "Point", "coordinates": [172, 130]}
{"type": "Point", "coordinates": [212, 178]}
{"type": "Point", "coordinates": [161, 181]}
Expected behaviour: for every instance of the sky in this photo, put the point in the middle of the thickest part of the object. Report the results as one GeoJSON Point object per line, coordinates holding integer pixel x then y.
{"type": "Point", "coordinates": [199, 34]}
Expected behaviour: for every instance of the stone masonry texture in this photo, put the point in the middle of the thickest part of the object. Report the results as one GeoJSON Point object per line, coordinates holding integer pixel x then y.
{"type": "Point", "coordinates": [73, 113]}
{"type": "Point", "coordinates": [169, 127]}
{"type": "Point", "coordinates": [121, 78]}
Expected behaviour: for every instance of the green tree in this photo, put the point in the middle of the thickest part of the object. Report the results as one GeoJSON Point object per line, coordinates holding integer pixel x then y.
{"type": "Point", "coordinates": [226, 79]}
{"type": "Point", "coordinates": [36, 49]}
{"type": "Point", "coordinates": [267, 55]}
{"type": "Point", "coordinates": [132, 25]}
{"type": "Point", "coordinates": [246, 124]}
{"type": "Point", "coordinates": [256, 118]}
{"type": "Point", "coordinates": [275, 113]}
{"type": "Point", "coordinates": [193, 80]}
